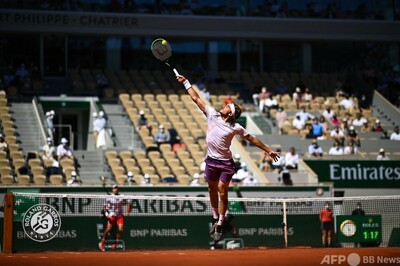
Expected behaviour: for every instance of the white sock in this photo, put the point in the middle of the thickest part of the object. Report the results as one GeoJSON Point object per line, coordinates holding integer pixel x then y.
{"type": "Point", "coordinates": [221, 219]}
{"type": "Point", "coordinates": [215, 213]}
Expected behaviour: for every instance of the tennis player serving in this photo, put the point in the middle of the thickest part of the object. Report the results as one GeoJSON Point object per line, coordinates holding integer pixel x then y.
{"type": "Point", "coordinates": [221, 128]}
{"type": "Point", "coordinates": [115, 216]}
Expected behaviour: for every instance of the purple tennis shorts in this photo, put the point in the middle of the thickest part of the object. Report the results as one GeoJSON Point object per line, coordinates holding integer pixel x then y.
{"type": "Point", "coordinates": [219, 169]}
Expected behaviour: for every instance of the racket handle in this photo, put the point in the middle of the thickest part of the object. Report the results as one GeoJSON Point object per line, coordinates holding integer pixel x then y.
{"type": "Point", "coordinates": [176, 72]}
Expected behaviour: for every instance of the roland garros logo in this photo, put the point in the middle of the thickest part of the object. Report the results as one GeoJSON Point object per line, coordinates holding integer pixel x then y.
{"type": "Point", "coordinates": [41, 222]}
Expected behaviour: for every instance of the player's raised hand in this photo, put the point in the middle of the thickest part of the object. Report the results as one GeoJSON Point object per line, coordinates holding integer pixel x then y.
{"type": "Point", "coordinates": [180, 78]}
{"type": "Point", "coordinates": [274, 155]}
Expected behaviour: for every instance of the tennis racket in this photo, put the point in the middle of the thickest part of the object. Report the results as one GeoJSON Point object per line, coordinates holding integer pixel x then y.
{"type": "Point", "coordinates": [163, 52]}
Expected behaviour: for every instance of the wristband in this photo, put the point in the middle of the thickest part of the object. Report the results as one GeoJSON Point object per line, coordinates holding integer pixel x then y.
{"type": "Point", "coordinates": [187, 84]}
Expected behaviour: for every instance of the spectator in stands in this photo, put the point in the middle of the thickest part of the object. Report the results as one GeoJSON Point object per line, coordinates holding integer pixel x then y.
{"type": "Point", "coordinates": [298, 123]}
{"type": "Point", "coordinates": [347, 118]}
{"type": "Point", "coordinates": [3, 145]}
{"type": "Point", "coordinates": [385, 135]}
{"type": "Point", "coordinates": [162, 136]}
{"type": "Point", "coordinates": [307, 97]}
{"type": "Point", "coordinates": [365, 127]}
{"type": "Point", "coordinates": [377, 127]}
{"type": "Point", "coordinates": [352, 136]}
{"type": "Point", "coordinates": [344, 126]}
{"type": "Point", "coordinates": [50, 124]}
{"type": "Point", "coordinates": [250, 180]}
{"type": "Point", "coordinates": [359, 120]}
{"type": "Point", "coordinates": [262, 98]}
{"type": "Point", "coordinates": [350, 149]}
{"type": "Point", "coordinates": [346, 103]}
{"type": "Point", "coordinates": [314, 150]}
{"type": "Point", "coordinates": [338, 135]}
{"type": "Point", "coordinates": [291, 159]}
{"type": "Point", "coordinates": [241, 174]}
{"type": "Point", "coordinates": [317, 130]}
{"type": "Point", "coordinates": [336, 149]}
{"type": "Point", "coordinates": [63, 150]}
{"type": "Point", "coordinates": [178, 144]}
{"type": "Point", "coordinates": [395, 135]}
{"type": "Point", "coordinates": [256, 99]}
{"type": "Point", "coordinates": [130, 178]}
{"type": "Point", "coordinates": [324, 124]}
{"type": "Point", "coordinates": [285, 177]}
{"type": "Point", "coordinates": [54, 169]}
{"type": "Point", "coordinates": [48, 150]}
{"type": "Point", "coordinates": [143, 123]}
{"type": "Point", "coordinates": [95, 132]}
{"type": "Point", "coordinates": [196, 180]}
{"type": "Point", "coordinates": [173, 136]}
{"type": "Point", "coordinates": [271, 102]}
{"type": "Point", "coordinates": [281, 119]}
{"type": "Point", "coordinates": [100, 127]}
{"type": "Point", "coordinates": [382, 156]}
{"type": "Point", "coordinates": [304, 115]}
{"type": "Point", "coordinates": [296, 97]}
{"type": "Point", "coordinates": [75, 181]}
{"type": "Point", "coordinates": [237, 162]}
{"type": "Point", "coordinates": [335, 121]}
{"type": "Point", "coordinates": [146, 180]}
{"type": "Point", "coordinates": [264, 162]}
{"type": "Point", "coordinates": [328, 113]}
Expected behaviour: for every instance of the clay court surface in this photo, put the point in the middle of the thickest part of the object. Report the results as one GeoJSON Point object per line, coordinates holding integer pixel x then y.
{"type": "Point", "coordinates": [190, 257]}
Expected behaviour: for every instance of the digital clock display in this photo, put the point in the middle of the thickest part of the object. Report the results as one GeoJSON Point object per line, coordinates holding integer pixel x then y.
{"type": "Point", "coordinates": [371, 235]}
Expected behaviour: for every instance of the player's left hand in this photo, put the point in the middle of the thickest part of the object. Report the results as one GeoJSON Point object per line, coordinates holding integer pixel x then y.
{"type": "Point", "coordinates": [180, 78]}
{"type": "Point", "coordinates": [274, 155]}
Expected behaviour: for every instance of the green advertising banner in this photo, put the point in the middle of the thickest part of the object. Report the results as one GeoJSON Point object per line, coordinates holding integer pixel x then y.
{"type": "Point", "coordinates": [357, 174]}
{"type": "Point", "coordinates": [21, 204]}
{"type": "Point", "coordinates": [84, 233]}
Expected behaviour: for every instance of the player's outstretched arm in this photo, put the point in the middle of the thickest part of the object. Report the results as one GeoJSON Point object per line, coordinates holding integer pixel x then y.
{"type": "Point", "coordinates": [273, 154]}
{"type": "Point", "coordinates": [193, 93]}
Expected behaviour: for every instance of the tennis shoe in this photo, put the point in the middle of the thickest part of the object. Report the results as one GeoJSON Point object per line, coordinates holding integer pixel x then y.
{"type": "Point", "coordinates": [218, 233]}
{"type": "Point", "coordinates": [102, 245]}
{"type": "Point", "coordinates": [213, 224]}
{"type": "Point", "coordinates": [114, 247]}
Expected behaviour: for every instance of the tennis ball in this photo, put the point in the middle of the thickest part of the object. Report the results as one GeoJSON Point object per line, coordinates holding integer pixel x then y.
{"type": "Point", "coordinates": [164, 42]}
